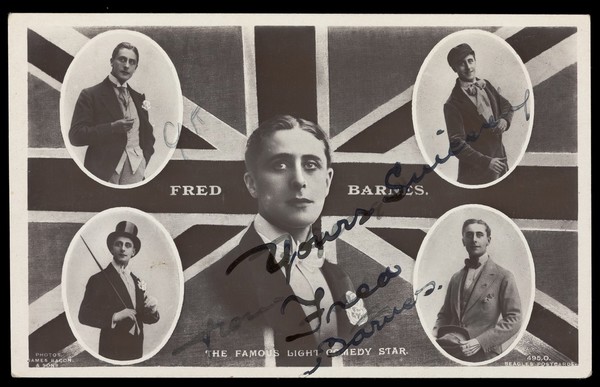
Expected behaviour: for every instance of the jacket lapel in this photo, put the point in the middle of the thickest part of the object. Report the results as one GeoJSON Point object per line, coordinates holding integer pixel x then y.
{"type": "Point", "coordinates": [139, 294]}
{"type": "Point", "coordinates": [109, 98]}
{"type": "Point", "coordinates": [137, 100]}
{"type": "Point", "coordinates": [117, 283]}
{"type": "Point", "coordinates": [459, 286]}
{"type": "Point", "coordinates": [339, 283]}
{"type": "Point", "coordinates": [488, 276]}
{"type": "Point", "coordinates": [269, 286]}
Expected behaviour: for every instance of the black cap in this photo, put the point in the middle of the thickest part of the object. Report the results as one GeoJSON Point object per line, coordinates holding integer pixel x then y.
{"type": "Point", "coordinates": [458, 53]}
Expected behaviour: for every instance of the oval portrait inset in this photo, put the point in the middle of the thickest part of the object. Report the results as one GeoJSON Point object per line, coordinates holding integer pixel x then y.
{"type": "Point", "coordinates": [484, 273]}
{"type": "Point", "coordinates": [122, 286]}
{"type": "Point", "coordinates": [473, 108]}
{"type": "Point", "coordinates": [120, 108]}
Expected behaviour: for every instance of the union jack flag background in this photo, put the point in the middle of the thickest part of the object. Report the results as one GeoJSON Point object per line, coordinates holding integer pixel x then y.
{"type": "Point", "coordinates": [357, 83]}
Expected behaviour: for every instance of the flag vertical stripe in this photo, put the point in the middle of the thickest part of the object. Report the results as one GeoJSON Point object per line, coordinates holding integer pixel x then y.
{"type": "Point", "coordinates": [250, 79]}
{"type": "Point", "coordinates": [322, 60]}
{"type": "Point", "coordinates": [286, 77]}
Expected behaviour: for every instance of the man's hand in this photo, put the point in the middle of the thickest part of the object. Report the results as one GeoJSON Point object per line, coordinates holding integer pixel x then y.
{"type": "Point", "coordinates": [123, 315]}
{"type": "Point", "coordinates": [470, 347]}
{"type": "Point", "coordinates": [498, 165]}
{"type": "Point", "coordinates": [502, 124]}
{"type": "Point", "coordinates": [122, 125]}
{"type": "Point", "coordinates": [151, 303]}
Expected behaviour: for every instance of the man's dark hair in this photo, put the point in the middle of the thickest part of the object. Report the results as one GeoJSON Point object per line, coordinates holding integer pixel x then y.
{"type": "Point", "coordinates": [467, 222]}
{"type": "Point", "coordinates": [128, 46]}
{"type": "Point", "coordinates": [282, 122]}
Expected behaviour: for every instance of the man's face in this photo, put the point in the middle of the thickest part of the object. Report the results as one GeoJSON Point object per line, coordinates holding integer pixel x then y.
{"type": "Point", "coordinates": [123, 250]}
{"type": "Point", "coordinates": [476, 240]}
{"type": "Point", "coordinates": [124, 65]}
{"type": "Point", "coordinates": [290, 179]}
{"type": "Point", "coordinates": [466, 68]}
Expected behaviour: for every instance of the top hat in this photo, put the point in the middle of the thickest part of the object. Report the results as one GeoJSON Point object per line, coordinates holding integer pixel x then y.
{"type": "Point", "coordinates": [458, 53]}
{"type": "Point", "coordinates": [125, 229]}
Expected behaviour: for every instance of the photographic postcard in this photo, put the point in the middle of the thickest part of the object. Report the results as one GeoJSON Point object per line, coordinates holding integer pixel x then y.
{"type": "Point", "coordinates": [300, 195]}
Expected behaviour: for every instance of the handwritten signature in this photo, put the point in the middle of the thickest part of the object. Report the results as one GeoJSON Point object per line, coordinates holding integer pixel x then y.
{"type": "Point", "coordinates": [376, 325]}
{"type": "Point", "coordinates": [234, 324]}
{"type": "Point", "coordinates": [304, 248]}
{"type": "Point", "coordinates": [362, 292]}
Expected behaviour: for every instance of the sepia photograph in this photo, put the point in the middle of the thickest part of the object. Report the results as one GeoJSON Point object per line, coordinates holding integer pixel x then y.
{"type": "Point", "coordinates": [292, 195]}
{"type": "Point", "coordinates": [481, 263]}
{"type": "Point", "coordinates": [121, 108]}
{"type": "Point", "coordinates": [473, 107]}
{"type": "Point", "coordinates": [122, 286]}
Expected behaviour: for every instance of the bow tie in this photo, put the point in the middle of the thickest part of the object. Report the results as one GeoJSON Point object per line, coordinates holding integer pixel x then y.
{"type": "Point", "coordinates": [472, 264]}
{"type": "Point", "coordinates": [472, 87]}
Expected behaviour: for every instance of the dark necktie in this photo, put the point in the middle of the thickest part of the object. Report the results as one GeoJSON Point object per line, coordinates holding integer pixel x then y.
{"type": "Point", "coordinates": [124, 97]}
{"type": "Point", "coordinates": [472, 263]}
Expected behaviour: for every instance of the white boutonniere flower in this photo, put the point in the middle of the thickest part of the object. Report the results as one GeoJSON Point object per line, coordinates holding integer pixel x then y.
{"type": "Point", "coordinates": [357, 314]}
{"type": "Point", "coordinates": [146, 105]}
{"type": "Point", "coordinates": [142, 285]}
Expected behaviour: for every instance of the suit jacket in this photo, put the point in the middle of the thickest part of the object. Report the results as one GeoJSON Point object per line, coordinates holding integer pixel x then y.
{"type": "Point", "coordinates": [254, 296]}
{"type": "Point", "coordinates": [95, 109]}
{"type": "Point", "coordinates": [99, 304]}
{"type": "Point", "coordinates": [462, 120]}
{"type": "Point", "coordinates": [494, 295]}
